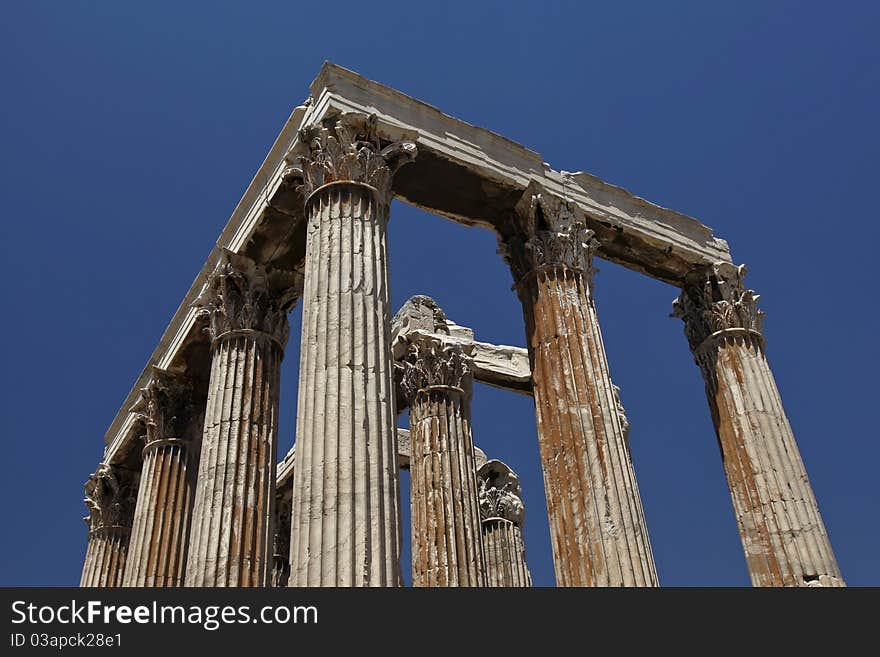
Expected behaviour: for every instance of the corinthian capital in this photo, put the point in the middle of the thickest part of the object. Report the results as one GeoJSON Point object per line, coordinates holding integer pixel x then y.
{"type": "Point", "coordinates": [166, 407]}
{"type": "Point", "coordinates": [713, 300]}
{"type": "Point", "coordinates": [244, 296]}
{"type": "Point", "coordinates": [548, 231]}
{"type": "Point", "coordinates": [111, 494]}
{"type": "Point", "coordinates": [431, 362]}
{"type": "Point", "coordinates": [500, 493]}
{"type": "Point", "coordinates": [347, 148]}
{"type": "Point", "coordinates": [420, 313]}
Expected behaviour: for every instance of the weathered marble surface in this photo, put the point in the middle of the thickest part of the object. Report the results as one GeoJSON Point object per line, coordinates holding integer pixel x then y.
{"type": "Point", "coordinates": [110, 495]}
{"type": "Point", "coordinates": [246, 306]}
{"type": "Point", "coordinates": [173, 419]}
{"type": "Point", "coordinates": [597, 524]}
{"type": "Point", "coordinates": [437, 381]}
{"type": "Point", "coordinates": [783, 536]}
{"type": "Point", "coordinates": [295, 210]}
{"type": "Point", "coordinates": [456, 158]}
{"type": "Point", "coordinates": [346, 499]}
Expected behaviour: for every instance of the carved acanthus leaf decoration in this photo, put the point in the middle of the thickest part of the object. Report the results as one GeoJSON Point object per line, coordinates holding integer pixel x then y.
{"type": "Point", "coordinates": [110, 496]}
{"type": "Point", "coordinates": [500, 493]}
{"type": "Point", "coordinates": [347, 148]}
{"type": "Point", "coordinates": [715, 300]}
{"type": "Point", "coordinates": [242, 295]}
{"type": "Point", "coordinates": [549, 232]}
{"type": "Point", "coordinates": [166, 407]}
{"type": "Point", "coordinates": [431, 362]}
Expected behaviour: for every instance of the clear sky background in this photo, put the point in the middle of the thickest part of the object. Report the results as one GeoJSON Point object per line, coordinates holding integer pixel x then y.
{"type": "Point", "coordinates": [130, 131]}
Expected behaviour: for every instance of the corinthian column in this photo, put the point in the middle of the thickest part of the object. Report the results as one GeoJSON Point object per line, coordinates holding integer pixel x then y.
{"type": "Point", "coordinates": [230, 539]}
{"type": "Point", "coordinates": [346, 527]}
{"type": "Point", "coordinates": [437, 380]}
{"type": "Point", "coordinates": [776, 512]}
{"type": "Point", "coordinates": [597, 525]}
{"type": "Point", "coordinates": [110, 496]}
{"type": "Point", "coordinates": [502, 513]}
{"type": "Point", "coordinates": [160, 532]}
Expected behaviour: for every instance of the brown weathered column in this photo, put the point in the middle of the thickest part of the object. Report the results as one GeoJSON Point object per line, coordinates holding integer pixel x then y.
{"type": "Point", "coordinates": [346, 525]}
{"type": "Point", "coordinates": [597, 523]}
{"type": "Point", "coordinates": [231, 535]}
{"type": "Point", "coordinates": [437, 380]}
{"type": "Point", "coordinates": [502, 514]}
{"type": "Point", "coordinates": [783, 536]}
{"type": "Point", "coordinates": [110, 496]}
{"type": "Point", "coordinates": [160, 533]}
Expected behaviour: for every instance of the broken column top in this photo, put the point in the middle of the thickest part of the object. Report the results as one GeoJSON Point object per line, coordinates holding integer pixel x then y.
{"type": "Point", "coordinates": [422, 313]}
{"type": "Point", "coordinates": [422, 318]}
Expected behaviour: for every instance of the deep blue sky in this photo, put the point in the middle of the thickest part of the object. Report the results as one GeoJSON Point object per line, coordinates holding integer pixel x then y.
{"type": "Point", "coordinates": [130, 131]}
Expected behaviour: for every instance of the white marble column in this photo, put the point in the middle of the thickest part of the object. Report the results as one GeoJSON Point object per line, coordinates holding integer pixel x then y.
{"type": "Point", "coordinates": [782, 532]}
{"type": "Point", "coordinates": [437, 380]}
{"type": "Point", "coordinates": [110, 496]}
{"type": "Point", "coordinates": [231, 534]}
{"type": "Point", "coordinates": [597, 524]}
{"type": "Point", "coordinates": [502, 515]}
{"type": "Point", "coordinates": [346, 525]}
{"type": "Point", "coordinates": [160, 533]}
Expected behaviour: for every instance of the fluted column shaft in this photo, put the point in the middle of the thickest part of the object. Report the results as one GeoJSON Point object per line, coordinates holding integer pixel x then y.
{"type": "Point", "coordinates": [346, 526]}
{"type": "Point", "coordinates": [783, 536]}
{"type": "Point", "coordinates": [110, 496]}
{"type": "Point", "coordinates": [231, 534]}
{"type": "Point", "coordinates": [160, 534]}
{"type": "Point", "coordinates": [505, 554]}
{"type": "Point", "coordinates": [446, 543]}
{"type": "Point", "coordinates": [160, 531]}
{"type": "Point", "coordinates": [106, 555]}
{"type": "Point", "coordinates": [346, 518]}
{"type": "Point", "coordinates": [597, 524]}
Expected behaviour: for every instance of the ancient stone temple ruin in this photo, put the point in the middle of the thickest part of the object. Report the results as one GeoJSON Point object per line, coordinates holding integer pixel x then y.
{"type": "Point", "coordinates": [190, 491]}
